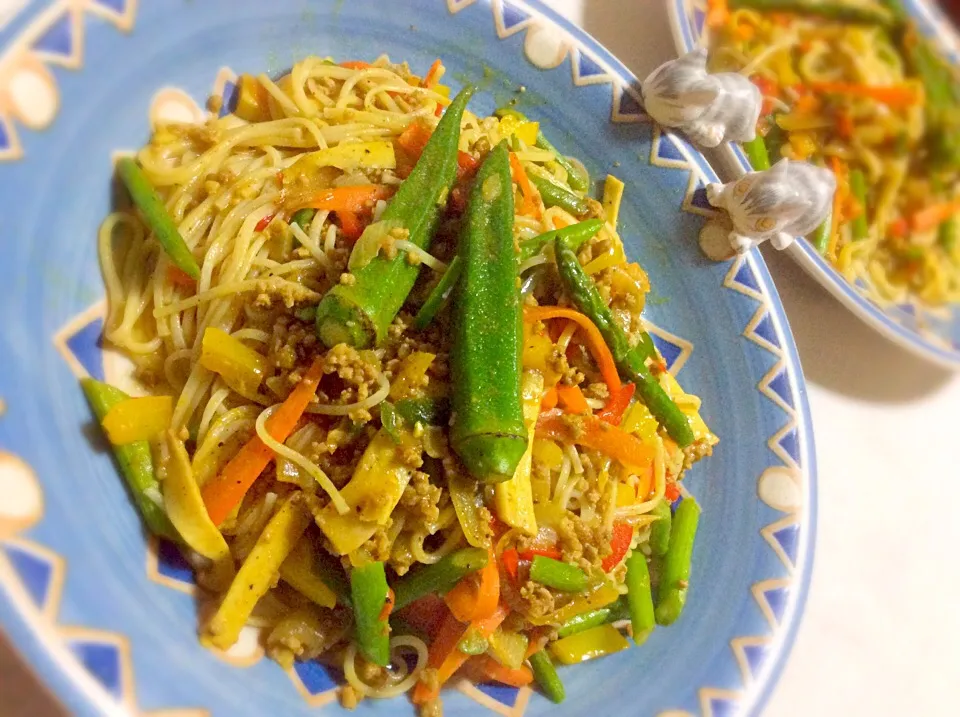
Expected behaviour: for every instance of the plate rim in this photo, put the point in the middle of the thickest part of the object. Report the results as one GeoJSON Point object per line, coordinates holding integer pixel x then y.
{"type": "Point", "coordinates": [735, 162]}
{"type": "Point", "coordinates": [33, 637]}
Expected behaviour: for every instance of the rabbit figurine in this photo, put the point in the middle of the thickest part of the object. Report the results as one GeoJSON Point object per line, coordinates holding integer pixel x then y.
{"type": "Point", "coordinates": [790, 199]}
{"type": "Point", "coordinates": [709, 109]}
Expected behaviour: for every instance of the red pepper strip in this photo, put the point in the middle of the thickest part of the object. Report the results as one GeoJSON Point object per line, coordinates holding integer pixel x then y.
{"type": "Point", "coordinates": [350, 224]}
{"type": "Point", "coordinates": [264, 223]}
{"type": "Point", "coordinates": [547, 553]}
{"type": "Point", "coordinates": [466, 164]}
{"type": "Point", "coordinates": [426, 614]}
{"type": "Point", "coordinates": [178, 277]}
{"type": "Point", "coordinates": [356, 65]}
{"type": "Point", "coordinates": [619, 545]}
{"type": "Point", "coordinates": [671, 492]}
{"type": "Point", "coordinates": [414, 138]}
{"type": "Point", "coordinates": [387, 606]}
{"type": "Point", "coordinates": [618, 403]}
{"type": "Point", "coordinates": [510, 560]}
{"type": "Point", "coordinates": [588, 430]}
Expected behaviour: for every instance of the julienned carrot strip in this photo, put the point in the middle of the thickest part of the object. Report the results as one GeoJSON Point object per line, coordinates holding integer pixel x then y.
{"type": "Point", "coordinates": [933, 216]}
{"type": "Point", "coordinates": [493, 670]}
{"type": "Point", "coordinates": [717, 13]}
{"type": "Point", "coordinates": [588, 430]}
{"type": "Point", "coordinates": [476, 596]}
{"type": "Point", "coordinates": [899, 228]}
{"type": "Point", "coordinates": [890, 95]}
{"type": "Point", "coordinates": [549, 399]}
{"type": "Point", "coordinates": [356, 65]}
{"type": "Point", "coordinates": [510, 560]}
{"type": "Point", "coordinates": [178, 277]}
{"type": "Point", "coordinates": [433, 74]}
{"type": "Point", "coordinates": [355, 198]}
{"type": "Point", "coordinates": [617, 404]}
{"type": "Point", "coordinates": [572, 399]}
{"type": "Point", "coordinates": [444, 656]}
{"type": "Point", "coordinates": [224, 493]}
{"type": "Point", "coordinates": [598, 348]}
{"type": "Point", "coordinates": [415, 137]}
{"type": "Point", "coordinates": [839, 171]}
{"type": "Point", "coordinates": [529, 206]}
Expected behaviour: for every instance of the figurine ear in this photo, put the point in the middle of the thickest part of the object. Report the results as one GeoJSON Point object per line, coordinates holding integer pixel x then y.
{"type": "Point", "coordinates": [702, 94]}
{"type": "Point", "coordinates": [696, 58]}
{"type": "Point", "coordinates": [780, 167]}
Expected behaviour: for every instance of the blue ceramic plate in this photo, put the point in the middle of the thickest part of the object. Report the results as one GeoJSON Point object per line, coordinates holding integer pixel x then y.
{"type": "Point", "coordinates": [933, 333]}
{"type": "Point", "coordinates": [106, 617]}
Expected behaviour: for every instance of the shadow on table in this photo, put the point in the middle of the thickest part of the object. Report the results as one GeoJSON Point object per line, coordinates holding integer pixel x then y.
{"type": "Point", "coordinates": [614, 24]}
{"type": "Point", "coordinates": [21, 694]}
{"type": "Point", "coordinates": [840, 352]}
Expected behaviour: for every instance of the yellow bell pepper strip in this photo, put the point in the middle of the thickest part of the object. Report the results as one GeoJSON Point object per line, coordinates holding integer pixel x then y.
{"type": "Point", "coordinates": [468, 503]}
{"type": "Point", "coordinates": [584, 621]}
{"type": "Point", "coordinates": [524, 130]}
{"type": "Point", "coordinates": [305, 575]}
{"type": "Point", "coordinates": [258, 572]}
{"type": "Point", "coordinates": [509, 648]}
{"type": "Point", "coordinates": [576, 175]}
{"type": "Point", "coordinates": [355, 198]}
{"type": "Point", "coordinates": [155, 214]}
{"type": "Point", "coordinates": [135, 461]}
{"type": "Point", "coordinates": [224, 493]}
{"type": "Point", "coordinates": [639, 597]}
{"type": "Point", "coordinates": [187, 512]}
{"type": "Point", "coordinates": [411, 377]}
{"type": "Point", "coordinates": [588, 645]}
{"type": "Point", "coordinates": [514, 497]}
{"type": "Point", "coordinates": [598, 348]}
{"type": "Point", "coordinates": [137, 419]}
{"type": "Point", "coordinates": [377, 154]}
{"type": "Point", "coordinates": [370, 594]}
{"type": "Point", "coordinates": [253, 104]}
{"type": "Point", "coordinates": [373, 492]}
{"type": "Point", "coordinates": [612, 195]}
{"type": "Point", "coordinates": [439, 578]}
{"type": "Point", "coordinates": [445, 658]}
{"type": "Point", "coordinates": [546, 676]}
{"type": "Point", "coordinates": [601, 595]}
{"type": "Point", "coordinates": [675, 576]}
{"type": "Point", "coordinates": [590, 431]}
{"type": "Point", "coordinates": [241, 368]}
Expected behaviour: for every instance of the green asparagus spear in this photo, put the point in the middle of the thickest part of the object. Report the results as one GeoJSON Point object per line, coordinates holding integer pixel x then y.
{"type": "Point", "coordinates": [557, 574]}
{"type": "Point", "coordinates": [369, 592]}
{"type": "Point", "coordinates": [546, 676]}
{"type": "Point", "coordinates": [858, 187]}
{"type": "Point", "coordinates": [439, 578]}
{"type": "Point", "coordinates": [675, 578]}
{"type": "Point", "coordinates": [639, 597]}
{"type": "Point", "coordinates": [577, 178]}
{"type": "Point", "coordinates": [359, 314]}
{"type": "Point", "coordinates": [660, 529]}
{"type": "Point", "coordinates": [574, 236]}
{"type": "Point", "coordinates": [756, 151]}
{"type": "Point", "coordinates": [554, 195]}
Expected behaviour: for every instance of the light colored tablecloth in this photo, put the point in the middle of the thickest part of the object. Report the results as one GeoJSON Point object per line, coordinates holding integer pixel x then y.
{"type": "Point", "coordinates": [881, 634]}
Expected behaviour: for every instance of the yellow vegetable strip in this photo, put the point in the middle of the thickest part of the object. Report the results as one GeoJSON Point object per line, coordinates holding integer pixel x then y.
{"type": "Point", "coordinates": [241, 367]}
{"type": "Point", "coordinates": [301, 572]}
{"type": "Point", "coordinates": [138, 419]}
{"type": "Point", "coordinates": [514, 498]}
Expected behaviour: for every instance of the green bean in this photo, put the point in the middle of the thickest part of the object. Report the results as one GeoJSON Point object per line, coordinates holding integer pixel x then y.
{"type": "Point", "coordinates": [303, 217]}
{"type": "Point", "coordinates": [675, 578]}
{"type": "Point", "coordinates": [756, 151]}
{"type": "Point", "coordinates": [134, 460]}
{"type": "Point", "coordinates": [820, 238]}
{"type": "Point", "coordinates": [858, 187]}
{"type": "Point", "coordinates": [840, 11]}
{"type": "Point", "coordinates": [369, 592]}
{"type": "Point", "coordinates": [546, 676]}
{"type": "Point", "coordinates": [557, 574]}
{"type": "Point", "coordinates": [438, 297]}
{"type": "Point", "coordinates": [487, 429]}
{"type": "Point", "coordinates": [584, 621]}
{"type": "Point", "coordinates": [947, 234]}
{"type": "Point", "coordinates": [631, 362]}
{"type": "Point", "coordinates": [553, 195]}
{"type": "Point", "coordinates": [774, 140]}
{"type": "Point", "coordinates": [439, 578]}
{"type": "Point", "coordinates": [574, 236]}
{"type": "Point", "coordinates": [359, 314]}
{"type": "Point", "coordinates": [577, 178]}
{"type": "Point", "coordinates": [660, 528]}
{"type": "Point", "coordinates": [639, 597]}
{"type": "Point", "coordinates": [155, 214]}
{"type": "Point", "coordinates": [428, 411]}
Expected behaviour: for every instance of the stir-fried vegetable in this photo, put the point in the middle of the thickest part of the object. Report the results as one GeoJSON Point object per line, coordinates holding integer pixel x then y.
{"type": "Point", "coordinates": [369, 591]}
{"type": "Point", "coordinates": [476, 596]}
{"type": "Point", "coordinates": [756, 151]}
{"type": "Point", "coordinates": [574, 235]}
{"type": "Point", "coordinates": [555, 195]}
{"type": "Point", "coordinates": [134, 460]}
{"type": "Point", "coordinates": [590, 431]}
{"type": "Point", "coordinates": [240, 366]}
{"type": "Point", "coordinates": [546, 676]}
{"type": "Point", "coordinates": [305, 574]}
{"type": "Point", "coordinates": [832, 9]}
{"type": "Point", "coordinates": [675, 577]}
{"type": "Point", "coordinates": [359, 313]}
{"type": "Point", "coordinates": [137, 419]}
{"type": "Point", "coordinates": [439, 578]}
{"type": "Point", "coordinates": [588, 645]}
{"type": "Point", "coordinates": [639, 597]}
{"type": "Point", "coordinates": [155, 214]}
{"type": "Point", "coordinates": [514, 497]}
{"type": "Point", "coordinates": [576, 176]}
{"type": "Point", "coordinates": [660, 529]}
{"type": "Point", "coordinates": [557, 574]}
{"type": "Point", "coordinates": [487, 430]}
{"type": "Point", "coordinates": [439, 295]}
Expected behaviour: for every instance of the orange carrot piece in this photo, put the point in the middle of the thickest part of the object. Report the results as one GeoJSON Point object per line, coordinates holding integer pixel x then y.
{"type": "Point", "coordinates": [890, 95]}
{"type": "Point", "coordinates": [588, 430]}
{"type": "Point", "coordinates": [899, 228]}
{"type": "Point", "coordinates": [529, 206]}
{"type": "Point", "coordinates": [350, 224]}
{"type": "Point", "coordinates": [718, 12]}
{"type": "Point", "coordinates": [598, 348]}
{"type": "Point", "coordinates": [356, 65]}
{"type": "Point", "coordinates": [510, 560]}
{"type": "Point", "coordinates": [444, 655]}
{"type": "Point", "coordinates": [934, 215]}
{"type": "Point", "coordinates": [844, 124]}
{"type": "Point", "coordinates": [550, 399]}
{"type": "Point", "coordinates": [433, 74]}
{"type": "Point", "coordinates": [355, 198]}
{"type": "Point", "coordinates": [415, 137]}
{"type": "Point", "coordinates": [572, 399]}
{"type": "Point", "coordinates": [224, 493]}
{"type": "Point", "coordinates": [493, 670]}
{"type": "Point", "coordinates": [476, 596]}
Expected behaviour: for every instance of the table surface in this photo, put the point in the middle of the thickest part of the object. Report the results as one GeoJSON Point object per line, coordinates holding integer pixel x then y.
{"type": "Point", "coordinates": [881, 634]}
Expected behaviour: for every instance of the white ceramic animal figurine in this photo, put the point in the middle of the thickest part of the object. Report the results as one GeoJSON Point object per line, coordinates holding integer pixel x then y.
{"type": "Point", "coordinates": [709, 109]}
{"type": "Point", "coordinates": [788, 200]}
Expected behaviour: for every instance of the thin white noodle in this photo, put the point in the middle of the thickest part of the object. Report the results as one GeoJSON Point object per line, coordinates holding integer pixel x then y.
{"type": "Point", "coordinates": [425, 258]}
{"type": "Point", "coordinates": [307, 241]}
{"type": "Point", "coordinates": [409, 678]}
{"type": "Point", "coordinates": [300, 460]}
{"type": "Point", "coordinates": [535, 260]}
{"type": "Point", "coordinates": [336, 409]}
{"type": "Point", "coordinates": [575, 461]}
